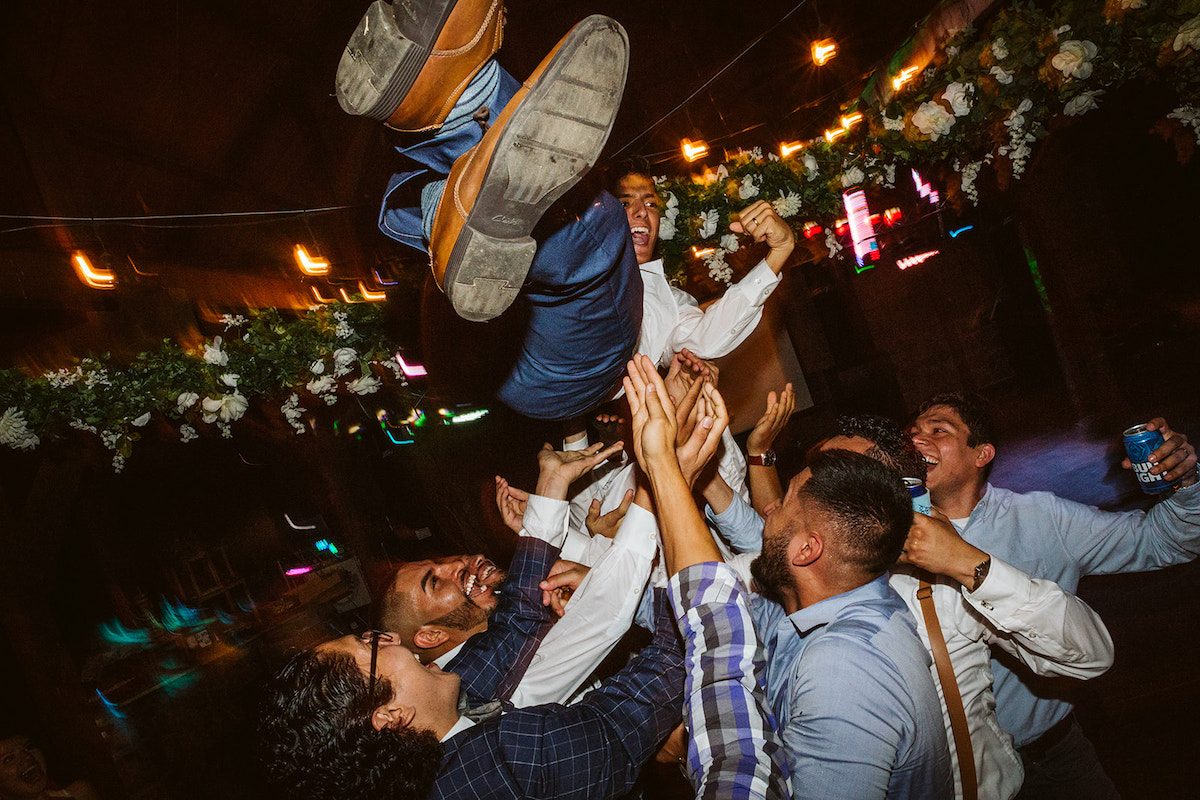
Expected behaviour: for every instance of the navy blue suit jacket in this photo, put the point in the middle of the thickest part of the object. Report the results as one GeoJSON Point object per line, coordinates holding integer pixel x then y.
{"type": "Point", "coordinates": [593, 749]}
{"type": "Point", "coordinates": [492, 662]}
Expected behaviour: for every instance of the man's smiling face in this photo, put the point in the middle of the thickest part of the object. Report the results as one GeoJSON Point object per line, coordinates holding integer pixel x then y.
{"type": "Point", "coordinates": [940, 436]}
{"type": "Point", "coordinates": [640, 199]}
{"type": "Point", "coordinates": [437, 587]}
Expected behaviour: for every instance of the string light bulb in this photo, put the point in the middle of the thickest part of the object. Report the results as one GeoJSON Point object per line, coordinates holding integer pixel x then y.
{"type": "Point", "coordinates": [824, 51]}
{"type": "Point", "coordinates": [694, 150]}
{"type": "Point", "coordinates": [832, 134]}
{"type": "Point", "coordinates": [95, 278]}
{"type": "Point", "coordinates": [787, 148]}
{"type": "Point", "coordinates": [309, 265]}
{"type": "Point", "coordinates": [904, 77]}
{"type": "Point", "coordinates": [850, 120]}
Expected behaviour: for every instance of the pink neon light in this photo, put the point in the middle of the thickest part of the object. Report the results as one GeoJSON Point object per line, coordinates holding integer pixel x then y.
{"type": "Point", "coordinates": [862, 232]}
{"type": "Point", "coordinates": [920, 258]}
{"type": "Point", "coordinates": [411, 370]}
{"type": "Point", "coordinates": [925, 189]}
{"type": "Point", "coordinates": [294, 571]}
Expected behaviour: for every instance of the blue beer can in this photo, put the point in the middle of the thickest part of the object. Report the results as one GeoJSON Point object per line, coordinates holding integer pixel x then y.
{"type": "Point", "coordinates": [1139, 444]}
{"type": "Point", "coordinates": [919, 494]}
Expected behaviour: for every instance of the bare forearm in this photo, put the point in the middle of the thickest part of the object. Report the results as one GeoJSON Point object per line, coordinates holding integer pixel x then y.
{"type": "Point", "coordinates": [765, 487]}
{"type": "Point", "coordinates": [686, 540]}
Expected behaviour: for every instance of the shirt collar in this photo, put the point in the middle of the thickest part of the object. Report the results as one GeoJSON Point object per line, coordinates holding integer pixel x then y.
{"type": "Point", "coordinates": [655, 266]}
{"type": "Point", "coordinates": [458, 727]}
{"type": "Point", "coordinates": [809, 618]}
{"type": "Point", "coordinates": [446, 657]}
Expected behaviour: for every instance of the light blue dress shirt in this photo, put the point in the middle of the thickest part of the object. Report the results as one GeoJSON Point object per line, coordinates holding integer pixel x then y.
{"type": "Point", "coordinates": [849, 682]}
{"type": "Point", "coordinates": [1048, 537]}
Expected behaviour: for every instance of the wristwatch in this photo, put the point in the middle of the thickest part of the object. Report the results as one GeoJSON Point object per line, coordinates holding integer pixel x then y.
{"type": "Point", "coordinates": [767, 459]}
{"type": "Point", "coordinates": [981, 572]}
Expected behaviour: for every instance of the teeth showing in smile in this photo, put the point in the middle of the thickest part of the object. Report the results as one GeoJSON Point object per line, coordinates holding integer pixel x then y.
{"type": "Point", "coordinates": [930, 460]}
{"type": "Point", "coordinates": [640, 229]}
{"type": "Point", "coordinates": [469, 585]}
{"type": "Point", "coordinates": [475, 582]}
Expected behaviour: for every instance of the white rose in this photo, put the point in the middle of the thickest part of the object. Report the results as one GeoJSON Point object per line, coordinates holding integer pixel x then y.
{"type": "Point", "coordinates": [367, 384]}
{"type": "Point", "coordinates": [344, 357]}
{"type": "Point", "coordinates": [666, 229]}
{"type": "Point", "coordinates": [141, 420]}
{"type": "Point", "coordinates": [1082, 103]}
{"type": "Point", "coordinates": [729, 242]}
{"type": "Point", "coordinates": [933, 120]}
{"type": "Point", "coordinates": [788, 205]}
{"type": "Point", "coordinates": [852, 177]}
{"type": "Point", "coordinates": [722, 173]}
{"type": "Point", "coordinates": [213, 353]}
{"type": "Point", "coordinates": [958, 95]}
{"type": "Point", "coordinates": [951, 51]}
{"type": "Point", "coordinates": [1189, 35]}
{"type": "Point", "coordinates": [999, 50]}
{"type": "Point", "coordinates": [317, 367]}
{"type": "Point", "coordinates": [748, 189]}
{"type": "Point", "coordinates": [321, 385]}
{"type": "Point", "coordinates": [185, 401]}
{"type": "Point", "coordinates": [231, 379]}
{"type": "Point", "coordinates": [1002, 75]}
{"type": "Point", "coordinates": [708, 224]}
{"type": "Point", "coordinates": [672, 207]}
{"type": "Point", "coordinates": [810, 165]}
{"type": "Point", "coordinates": [893, 124]}
{"type": "Point", "coordinates": [1074, 59]}
{"type": "Point", "coordinates": [228, 407]}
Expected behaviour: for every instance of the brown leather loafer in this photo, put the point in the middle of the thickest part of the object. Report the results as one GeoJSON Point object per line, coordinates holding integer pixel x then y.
{"type": "Point", "coordinates": [409, 61]}
{"type": "Point", "coordinates": [546, 139]}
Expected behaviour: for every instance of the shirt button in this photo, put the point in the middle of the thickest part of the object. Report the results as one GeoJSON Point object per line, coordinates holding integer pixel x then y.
{"type": "Point", "coordinates": [1033, 636]}
{"type": "Point", "coordinates": [986, 605]}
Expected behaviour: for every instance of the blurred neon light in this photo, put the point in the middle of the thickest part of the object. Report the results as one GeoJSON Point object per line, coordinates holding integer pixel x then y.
{"type": "Point", "coordinates": [411, 370]}
{"type": "Point", "coordinates": [109, 705]}
{"type": "Point", "coordinates": [393, 439]}
{"type": "Point", "coordinates": [812, 229]}
{"type": "Point", "coordinates": [368, 295]}
{"type": "Point", "coordinates": [892, 216]}
{"type": "Point", "coordinates": [954, 234]}
{"type": "Point", "coordinates": [294, 571]}
{"type": "Point", "coordinates": [862, 232]}
{"type": "Point", "coordinates": [320, 299]}
{"type": "Point", "coordinates": [116, 633]}
{"type": "Point", "coordinates": [708, 251]}
{"type": "Point", "coordinates": [381, 281]}
{"type": "Point", "coordinates": [920, 258]}
{"type": "Point", "coordinates": [309, 265]}
{"type": "Point", "coordinates": [925, 189]}
{"type": "Point", "coordinates": [470, 416]}
{"type": "Point", "coordinates": [296, 527]}
{"type": "Point", "coordinates": [95, 278]}
{"type": "Point", "coordinates": [346, 297]}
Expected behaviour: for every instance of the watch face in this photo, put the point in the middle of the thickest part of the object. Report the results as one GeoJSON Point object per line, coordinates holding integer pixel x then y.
{"type": "Point", "coordinates": [768, 458]}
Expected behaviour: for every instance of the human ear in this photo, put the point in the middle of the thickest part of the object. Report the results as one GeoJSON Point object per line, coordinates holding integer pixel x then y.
{"type": "Point", "coordinates": [386, 717]}
{"type": "Point", "coordinates": [806, 549]}
{"type": "Point", "coordinates": [429, 636]}
{"type": "Point", "coordinates": [984, 453]}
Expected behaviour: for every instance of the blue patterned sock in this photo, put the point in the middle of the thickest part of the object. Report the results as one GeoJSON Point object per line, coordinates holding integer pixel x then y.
{"type": "Point", "coordinates": [430, 194]}
{"type": "Point", "coordinates": [481, 87]}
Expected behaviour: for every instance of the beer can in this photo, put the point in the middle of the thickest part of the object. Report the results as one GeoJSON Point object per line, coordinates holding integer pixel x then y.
{"type": "Point", "coordinates": [1139, 444]}
{"type": "Point", "coordinates": [919, 494]}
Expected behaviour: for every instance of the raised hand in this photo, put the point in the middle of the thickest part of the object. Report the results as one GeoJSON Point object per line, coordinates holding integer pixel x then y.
{"type": "Point", "coordinates": [934, 545]}
{"type": "Point", "coordinates": [654, 428]}
{"type": "Point", "coordinates": [705, 437]}
{"type": "Point", "coordinates": [773, 420]}
{"type": "Point", "coordinates": [512, 502]}
{"type": "Point", "coordinates": [760, 221]}
{"type": "Point", "coordinates": [607, 524]}
{"type": "Point", "coordinates": [558, 469]}
{"type": "Point", "coordinates": [1175, 456]}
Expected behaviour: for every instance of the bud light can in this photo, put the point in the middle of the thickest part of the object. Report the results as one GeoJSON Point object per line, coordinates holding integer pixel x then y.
{"type": "Point", "coordinates": [1140, 443]}
{"type": "Point", "coordinates": [919, 494]}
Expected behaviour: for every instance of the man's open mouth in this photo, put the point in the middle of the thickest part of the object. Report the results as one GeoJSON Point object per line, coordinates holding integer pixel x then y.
{"type": "Point", "coordinates": [475, 583]}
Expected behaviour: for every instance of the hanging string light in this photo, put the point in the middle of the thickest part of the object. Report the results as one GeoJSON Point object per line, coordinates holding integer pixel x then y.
{"type": "Point", "coordinates": [824, 51]}
{"type": "Point", "coordinates": [694, 150]}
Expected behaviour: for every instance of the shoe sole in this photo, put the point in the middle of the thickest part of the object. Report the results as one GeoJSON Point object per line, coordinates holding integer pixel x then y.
{"type": "Point", "coordinates": [548, 144]}
{"type": "Point", "coordinates": [385, 55]}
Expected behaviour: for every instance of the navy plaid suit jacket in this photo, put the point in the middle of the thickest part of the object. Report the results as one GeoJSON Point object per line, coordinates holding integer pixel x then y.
{"type": "Point", "coordinates": [492, 662]}
{"type": "Point", "coordinates": [593, 749]}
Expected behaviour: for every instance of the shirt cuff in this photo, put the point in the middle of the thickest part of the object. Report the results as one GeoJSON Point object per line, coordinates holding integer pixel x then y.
{"type": "Point", "coordinates": [546, 519]}
{"type": "Point", "coordinates": [1003, 592]}
{"type": "Point", "coordinates": [758, 283]}
{"type": "Point", "coordinates": [580, 444]}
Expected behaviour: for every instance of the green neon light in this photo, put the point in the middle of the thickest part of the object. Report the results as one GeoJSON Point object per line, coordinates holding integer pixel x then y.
{"type": "Point", "coordinates": [1038, 283]}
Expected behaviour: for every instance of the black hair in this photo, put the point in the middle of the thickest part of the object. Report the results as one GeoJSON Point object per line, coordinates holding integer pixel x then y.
{"type": "Point", "coordinates": [630, 165]}
{"type": "Point", "coordinates": [972, 409]}
{"type": "Point", "coordinates": [317, 741]}
{"type": "Point", "coordinates": [890, 444]}
{"type": "Point", "coordinates": [868, 504]}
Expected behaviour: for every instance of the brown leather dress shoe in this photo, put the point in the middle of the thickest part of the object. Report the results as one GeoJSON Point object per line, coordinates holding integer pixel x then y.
{"type": "Point", "coordinates": [546, 139]}
{"type": "Point", "coordinates": [409, 61]}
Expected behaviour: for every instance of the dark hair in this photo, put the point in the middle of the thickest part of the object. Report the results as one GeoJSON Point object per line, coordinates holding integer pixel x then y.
{"type": "Point", "coordinates": [630, 165]}
{"type": "Point", "coordinates": [972, 409]}
{"type": "Point", "coordinates": [317, 741]}
{"type": "Point", "coordinates": [867, 503]}
{"type": "Point", "coordinates": [890, 444]}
